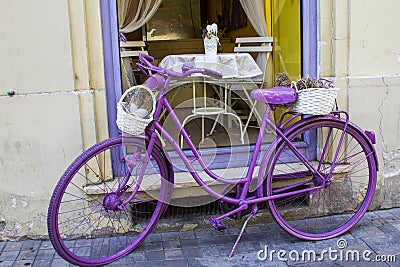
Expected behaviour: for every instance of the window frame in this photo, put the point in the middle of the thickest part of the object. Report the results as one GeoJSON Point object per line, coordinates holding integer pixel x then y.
{"type": "Point", "coordinates": [109, 21]}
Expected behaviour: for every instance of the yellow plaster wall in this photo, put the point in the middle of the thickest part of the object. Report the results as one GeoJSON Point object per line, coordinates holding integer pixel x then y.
{"type": "Point", "coordinates": [52, 58]}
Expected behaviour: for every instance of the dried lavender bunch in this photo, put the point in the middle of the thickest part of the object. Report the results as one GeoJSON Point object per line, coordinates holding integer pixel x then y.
{"type": "Point", "coordinates": [324, 83]}
{"type": "Point", "coordinates": [282, 79]}
{"type": "Point", "coordinates": [307, 82]}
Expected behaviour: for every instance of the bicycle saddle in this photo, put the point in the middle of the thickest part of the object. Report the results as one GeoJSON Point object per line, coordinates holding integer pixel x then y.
{"type": "Point", "coordinates": [276, 95]}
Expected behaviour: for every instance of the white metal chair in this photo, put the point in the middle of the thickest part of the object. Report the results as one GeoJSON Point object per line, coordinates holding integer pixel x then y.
{"type": "Point", "coordinates": [253, 45]}
{"type": "Point", "coordinates": [210, 109]}
{"type": "Point", "coordinates": [129, 51]}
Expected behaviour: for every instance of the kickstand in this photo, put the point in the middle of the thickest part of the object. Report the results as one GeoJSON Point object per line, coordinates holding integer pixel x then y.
{"type": "Point", "coordinates": [253, 212]}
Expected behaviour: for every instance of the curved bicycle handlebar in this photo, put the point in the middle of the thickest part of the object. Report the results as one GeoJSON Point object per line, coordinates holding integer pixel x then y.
{"type": "Point", "coordinates": [187, 70]}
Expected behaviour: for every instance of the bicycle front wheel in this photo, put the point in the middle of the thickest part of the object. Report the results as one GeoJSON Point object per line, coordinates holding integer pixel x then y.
{"type": "Point", "coordinates": [87, 224]}
{"type": "Point", "coordinates": [349, 188]}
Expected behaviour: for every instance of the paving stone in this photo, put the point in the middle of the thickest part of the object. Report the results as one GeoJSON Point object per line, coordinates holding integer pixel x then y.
{"type": "Point", "coordinates": [27, 255]}
{"type": "Point", "coordinates": [382, 245]}
{"type": "Point", "coordinates": [204, 242]}
{"type": "Point", "coordinates": [390, 217]}
{"type": "Point", "coordinates": [155, 255]}
{"type": "Point", "coordinates": [176, 263]}
{"type": "Point", "coordinates": [358, 232]}
{"type": "Point", "coordinates": [2, 245]}
{"type": "Point", "coordinates": [46, 245]}
{"type": "Point", "coordinates": [135, 256]}
{"type": "Point", "coordinates": [247, 247]}
{"type": "Point", "coordinates": [42, 263]}
{"type": "Point", "coordinates": [217, 240]}
{"type": "Point", "coordinates": [203, 234]}
{"type": "Point", "coordinates": [238, 260]}
{"type": "Point", "coordinates": [59, 263]}
{"type": "Point", "coordinates": [141, 247]}
{"type": "Point", "coordinates": [84, 243]}
{"type": "Point", "coordinates": [149, 246]}
{"type": "Point", "coordinates": [189, 243]}
{"type": "Point", "coordinates": [378, 221]}
{"type": "Point", "coordinates": [172, 244]}
{"type": "Point", "coordinates": [6, 263]}
{"type": "Point", "coordinates": [195, 262]}
{"type": "Point", "coordinates": [187, 235]}
{"type": "Point", "coordinates": [191, 252]}
{"type": "Point", "coordinates": [233, 231]}
{"type": "Point", "coordinates": [148, 263]}
{"type": "Point", "coordinates": [225, 249]}
{"type": "Point", "coordinates": [153, 238]}
{"type": "Point", "coordinates": [373, 231]}
{"type": "Point", "coordinates": [13, 246]}
{"type": "Point", "coordinates": [30, 245]}
{"type": "Point", "coordinates": [173, 254]}
{"type": "Point", "coordinates": [121, 263]}
{"type": "Point", "coordinates": [395, 212]}
{"type": "Point", "coordinates": [254, 229]}
{"type": "Point", "coordinates": [370, 215]}
{"type": "Point", "coordinates": [57, 256]}
{"type": "Point", "coordinates": [388, 228]}
{"type": "Point", "coordinates": [209, 251]}
{"type": "Point", "coordinates": [9, 255]}
{"type": "Point", "coordinates": [45, 254]}
{"type": "Point", "coordinates": [23, 263]}
{"type": "Point", "coordinates": [170, 236]}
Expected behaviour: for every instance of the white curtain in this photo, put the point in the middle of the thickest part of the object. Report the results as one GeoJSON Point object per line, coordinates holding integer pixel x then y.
{"type": "Point", "coordinates": [133, 14]}
{"type": "Point", "coordinates": [255, 11]}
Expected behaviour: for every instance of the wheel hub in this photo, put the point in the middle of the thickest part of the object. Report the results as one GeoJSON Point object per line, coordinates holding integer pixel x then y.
{"type": "Point", "coordinates": [112, 202]}
{"type": "Point", "coordinates": [318, 181]}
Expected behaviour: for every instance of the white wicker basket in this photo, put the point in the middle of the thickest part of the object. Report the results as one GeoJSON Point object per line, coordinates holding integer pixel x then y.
{"type": "Point", "coordinates": [316, 101]}
{"type": "Point", "coordinates": [128, 122]}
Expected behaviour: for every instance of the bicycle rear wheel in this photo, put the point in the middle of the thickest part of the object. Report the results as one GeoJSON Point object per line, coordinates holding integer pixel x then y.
{"type": "Point", "coordinates": [334, 209]}
{"type": "Point", "coordinates": [86, 224]}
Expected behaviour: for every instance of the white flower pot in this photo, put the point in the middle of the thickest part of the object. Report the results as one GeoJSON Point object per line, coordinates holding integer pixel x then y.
{"type": "Point", "coordinates": [210, 46]}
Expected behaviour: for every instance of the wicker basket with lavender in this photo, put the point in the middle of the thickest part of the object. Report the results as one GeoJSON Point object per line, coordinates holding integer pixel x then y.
{"type": "Point", "coordinates": [314, 96]}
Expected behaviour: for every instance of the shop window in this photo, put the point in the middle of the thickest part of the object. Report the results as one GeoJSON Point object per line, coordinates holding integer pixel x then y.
{"type": "Point", "coordinates": [175, 29]}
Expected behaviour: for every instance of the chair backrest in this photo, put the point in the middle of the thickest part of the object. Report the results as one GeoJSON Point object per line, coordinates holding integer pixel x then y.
{"type": "Point", "coordinates": [132, 48]}
{"type": "Point", "coordinates": [256, 45]}
{"type": "Point", "coordinates": [253, 44]}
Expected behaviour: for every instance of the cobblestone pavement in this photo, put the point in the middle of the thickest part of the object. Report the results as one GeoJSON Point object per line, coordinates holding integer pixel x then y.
{"type": "Point", "coordinates": [375, 241]}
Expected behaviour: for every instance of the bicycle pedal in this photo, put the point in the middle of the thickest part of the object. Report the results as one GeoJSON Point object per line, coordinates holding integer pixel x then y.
{"type": "Point", "coordinates": [217, 225]}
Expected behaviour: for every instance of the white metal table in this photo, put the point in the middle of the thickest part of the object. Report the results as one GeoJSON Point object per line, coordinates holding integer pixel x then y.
{"type": "Point", "coordinates": [234, 67]}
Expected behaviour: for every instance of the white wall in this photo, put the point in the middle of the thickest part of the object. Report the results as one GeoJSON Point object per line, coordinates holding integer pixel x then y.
{"type": "Point", "coordinates": [51, 56]}
{"type": "Point", "coordinates": [35, 46]}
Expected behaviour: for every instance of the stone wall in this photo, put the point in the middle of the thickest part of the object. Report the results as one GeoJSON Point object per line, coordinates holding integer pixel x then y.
{"type": "Point", "coordinates": [52, 59]}
{"type": "Point", "coordinates": [359, 49]}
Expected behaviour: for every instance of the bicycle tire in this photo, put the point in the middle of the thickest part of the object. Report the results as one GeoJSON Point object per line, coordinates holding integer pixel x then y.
{"type": "Point", "coordinates": [333, 210]}
{"type": "Point", "coordinates": [82, 228]}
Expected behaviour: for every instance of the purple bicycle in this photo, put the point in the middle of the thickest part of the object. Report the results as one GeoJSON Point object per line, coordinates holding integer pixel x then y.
{"type": "Point", "coordinates": [112, 196]}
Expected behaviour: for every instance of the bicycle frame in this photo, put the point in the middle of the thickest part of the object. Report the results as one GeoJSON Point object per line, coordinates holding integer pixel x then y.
{"type": "Point", "coordinates": [96, 196]}
{"type": "Point", "coordinates": [242, 201]}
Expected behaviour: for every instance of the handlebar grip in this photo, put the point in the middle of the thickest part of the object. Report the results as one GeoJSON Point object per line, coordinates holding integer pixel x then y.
{"type": "Point", "coordinates": [212, 73]}
{"type": "Point", "coordinates": [143, 58]}
{"type": "Point", "coordinates": [142, 68]}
